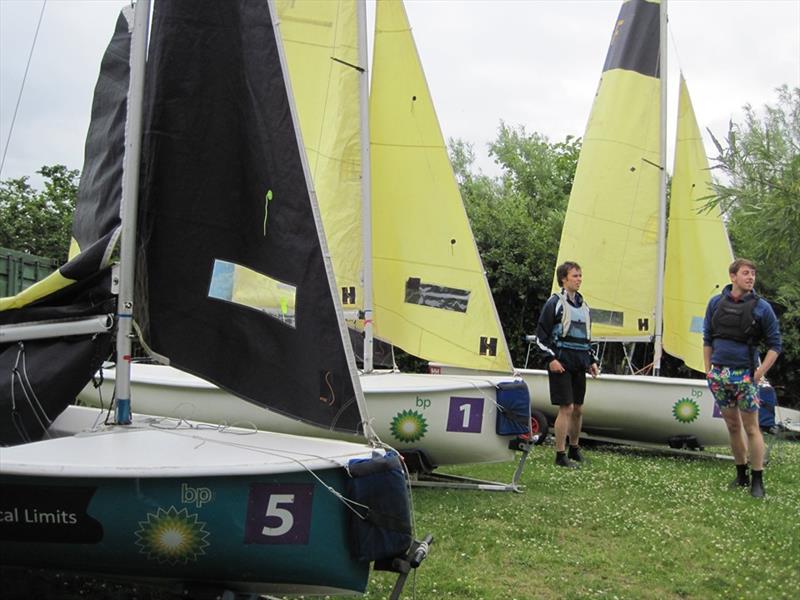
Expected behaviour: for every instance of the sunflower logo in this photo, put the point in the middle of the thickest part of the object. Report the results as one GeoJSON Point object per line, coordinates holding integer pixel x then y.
{"type": "Point", "coordinates": [172, 536]}
{"type": "Point", "coordinates": [685, 410]}
{"type": "Point", "coordinates": [409, 426]}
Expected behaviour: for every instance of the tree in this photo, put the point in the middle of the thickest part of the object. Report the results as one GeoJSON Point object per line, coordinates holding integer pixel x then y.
{"type": "Point", "coordinates": [516, 219]}
{"type": "Point", "coordinates": [760, 194]}
{"type": "Point", "coordinates": [39, 222]}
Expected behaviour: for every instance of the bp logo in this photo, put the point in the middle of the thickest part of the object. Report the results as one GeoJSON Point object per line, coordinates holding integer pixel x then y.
{"type": "Point", "coordinates": [172, 536]}
{"type": "Point", "coordinates": [409, 426]}
{"type": "Point", "coordinates": [685, 410]}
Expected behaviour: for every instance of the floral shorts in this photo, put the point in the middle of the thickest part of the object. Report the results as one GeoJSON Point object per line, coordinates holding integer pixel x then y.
{"type": "Point", "coordinates": [733, 388]}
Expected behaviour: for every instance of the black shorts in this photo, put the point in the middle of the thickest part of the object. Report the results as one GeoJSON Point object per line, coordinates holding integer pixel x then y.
{"type": "Point", "coordinates": [567, 388]}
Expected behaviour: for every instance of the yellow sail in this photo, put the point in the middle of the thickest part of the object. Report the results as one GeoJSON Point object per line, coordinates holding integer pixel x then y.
{"type": "Point", "coordinates": [698, 251]}
{"type": "Point", "coordinates": [321, 45]}
{"type": "Point", "coordinates": [430, 293]}
{"type": "Point", "coordinates": [611, 224]}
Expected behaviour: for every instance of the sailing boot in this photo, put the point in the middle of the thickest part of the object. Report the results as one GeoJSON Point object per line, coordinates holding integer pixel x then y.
{"type": "Point", "coordinates": [574, 453]}
{"type": "Point", "coordinates": [742, 478]}
{"type": "Point", "coordinates": [563, 461]}
{"type": "Point", "coordinates": [757, 486]}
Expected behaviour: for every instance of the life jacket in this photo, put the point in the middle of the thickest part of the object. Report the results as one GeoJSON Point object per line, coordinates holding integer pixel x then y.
{"type": "Point", "coordinates": [574, 330]}
{"type": "Point", "coordinates": [735, 320]}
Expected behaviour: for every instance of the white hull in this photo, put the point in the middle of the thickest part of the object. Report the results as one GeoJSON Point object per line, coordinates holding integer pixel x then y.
{"type": "Point", "coordinates": [125, 500]}
{"type": "Point", "coordinates": [640, 408]}
{"type": "Point", "coordinates": [636, 408]}
{"type": "Point", "coordinates": [451, 418]}
{"type": "Point", "coordinates": [153, 446]}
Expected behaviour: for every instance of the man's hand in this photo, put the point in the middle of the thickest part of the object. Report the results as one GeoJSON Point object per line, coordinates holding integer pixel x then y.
{"type": "Point", "coordinates": [594, 370]}
{"type": "Point", "coordinates": [555, 366]}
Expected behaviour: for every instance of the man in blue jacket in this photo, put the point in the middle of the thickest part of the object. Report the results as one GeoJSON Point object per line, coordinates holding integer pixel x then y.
{"type": "Point", "coordinates": [564, 339]}
{"type": "Point", "coordinates": [736, 322]}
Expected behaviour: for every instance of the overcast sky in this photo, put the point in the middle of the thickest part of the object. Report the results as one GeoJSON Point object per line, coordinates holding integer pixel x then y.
{"type": "Point", "coordinates": [527, 62]}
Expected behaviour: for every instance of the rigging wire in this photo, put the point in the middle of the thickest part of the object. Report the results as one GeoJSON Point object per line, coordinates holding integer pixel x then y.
{"type": "Point", "coordinates": [22, 87]}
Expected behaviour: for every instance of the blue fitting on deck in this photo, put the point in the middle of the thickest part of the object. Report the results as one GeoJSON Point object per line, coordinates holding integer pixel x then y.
{"type": "Point", "coordinates": [123, 412]}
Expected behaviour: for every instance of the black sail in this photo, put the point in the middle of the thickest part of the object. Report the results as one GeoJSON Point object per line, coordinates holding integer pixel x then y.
{"type": "Point", "coordinates": [40, 378]}
{"type": "Point", "coordinates": [223, 185]}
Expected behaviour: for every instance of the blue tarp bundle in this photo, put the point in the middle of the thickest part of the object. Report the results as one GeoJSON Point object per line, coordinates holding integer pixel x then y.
{"type": "Point", "coordinates": [382, 528]}
{"type": "Point", "coordinates": [514, 408]}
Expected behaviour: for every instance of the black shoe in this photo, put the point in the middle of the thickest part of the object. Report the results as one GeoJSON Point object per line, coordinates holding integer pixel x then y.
{"type": "Point", "coordinates": [563, 461]}
{"type": "Point", "coordinates": [574, 453]}
{"type": "Point", "coordinates": [757, 485]}
{"type": "Point", "coordinates": [742, 478]}
{"type": "Point", "coordinates": [739, 483]}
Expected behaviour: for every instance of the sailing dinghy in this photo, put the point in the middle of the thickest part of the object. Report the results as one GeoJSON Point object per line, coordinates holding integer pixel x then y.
{"type": "Point", "coordinates": [223, 181]}
{"type": "Point", "coordinates": [430, 293]}
{"type": "Point", "coordinates": [615, 229]}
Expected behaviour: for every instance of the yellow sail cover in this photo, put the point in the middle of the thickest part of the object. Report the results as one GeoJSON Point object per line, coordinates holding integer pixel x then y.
{"type": "Point", "coordinates": [430, 291]}
{"type": "Point", "coordinates": [698, 250]}
{"type": "Point", "coordinates": [320, 40]}
{"type": "Point", "coordinates": [611, 224]}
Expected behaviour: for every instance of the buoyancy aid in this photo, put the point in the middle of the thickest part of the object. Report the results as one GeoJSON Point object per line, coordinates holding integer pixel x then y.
{"type": "Point", "coordinates": [574, 330]}
{"type": "Point", "coordinates": [735, 321]}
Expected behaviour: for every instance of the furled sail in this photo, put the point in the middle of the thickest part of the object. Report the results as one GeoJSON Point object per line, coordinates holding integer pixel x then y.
{"type": "Point", "coordinates": [431, 297]}
{"type": "Point", "coordinates": [225, 189]}
{"type": "Point", "coordinates": [698, 251]}
{"type": "Point", "coordinates": [40, 377]}
{"type": "Point", "coordinates": [611, 225]}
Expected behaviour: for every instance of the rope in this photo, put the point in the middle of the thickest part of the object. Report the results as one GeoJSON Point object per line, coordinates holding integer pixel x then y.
{"type": "Point", "coordinates": [22, 87]}
{"type": "Point", "coordinates": [30, 396]}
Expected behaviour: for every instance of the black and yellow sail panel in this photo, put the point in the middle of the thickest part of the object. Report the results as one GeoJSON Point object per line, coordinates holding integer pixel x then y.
{"type": "Point", "coordinates": [698, 250]}
{"type": "Point", "coordinates": [95, 226]}
{"type": "Point", "coordinates": [430, 292]}
{"type": "Point", "coordinates": [611, 224]}
{"type": "Point", "coordinates": [320, 40]}
{"type": "Point", "coordinates": [224, 185]}
{"type": "Point", "coordinates": [83, 266]}
{"type": "Point", "coordinates": [634, 43]}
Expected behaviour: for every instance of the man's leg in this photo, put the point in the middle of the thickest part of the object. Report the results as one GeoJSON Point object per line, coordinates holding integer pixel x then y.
{"type": "Point", "coordinates": [562, 426]}
{"type": "Point", "coordinates": [575, 423]}
{"type": "Point", "coordinates": [736, 434]}
{"type": "Point", "coordinates": [578, 381]}
{"type": "Point", "coordinates": [756, 445]}
{"type": "Point", "coordinates": [755, 441]}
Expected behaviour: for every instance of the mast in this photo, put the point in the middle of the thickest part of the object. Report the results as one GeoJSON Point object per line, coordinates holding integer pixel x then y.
{"type": "Point", "coordinates": [366, 182]}
{"type": "Point", "coordinates": [128, 208]}
{"type": "Point", "coordinates": [662, 191]}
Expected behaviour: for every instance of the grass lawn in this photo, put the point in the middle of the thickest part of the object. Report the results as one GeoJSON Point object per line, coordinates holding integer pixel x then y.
{"type": "Point", "coordinates": [628, 525]}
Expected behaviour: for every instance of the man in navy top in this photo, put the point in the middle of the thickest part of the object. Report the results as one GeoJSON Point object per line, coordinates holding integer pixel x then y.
{"type": "Point", "coordinates": [736, 322]}
{"type": "Point", "coordinates": [564, 341]}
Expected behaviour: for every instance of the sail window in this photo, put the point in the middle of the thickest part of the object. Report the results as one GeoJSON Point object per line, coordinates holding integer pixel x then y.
{"type": "Point", "coordinates": [239, 285]}
{"type": "Point", "coordinates": [436, 296]}
{"type": "Point", "coordinates": [614, 318]}
{"type": "Point", "coordinates": [696, 326]}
